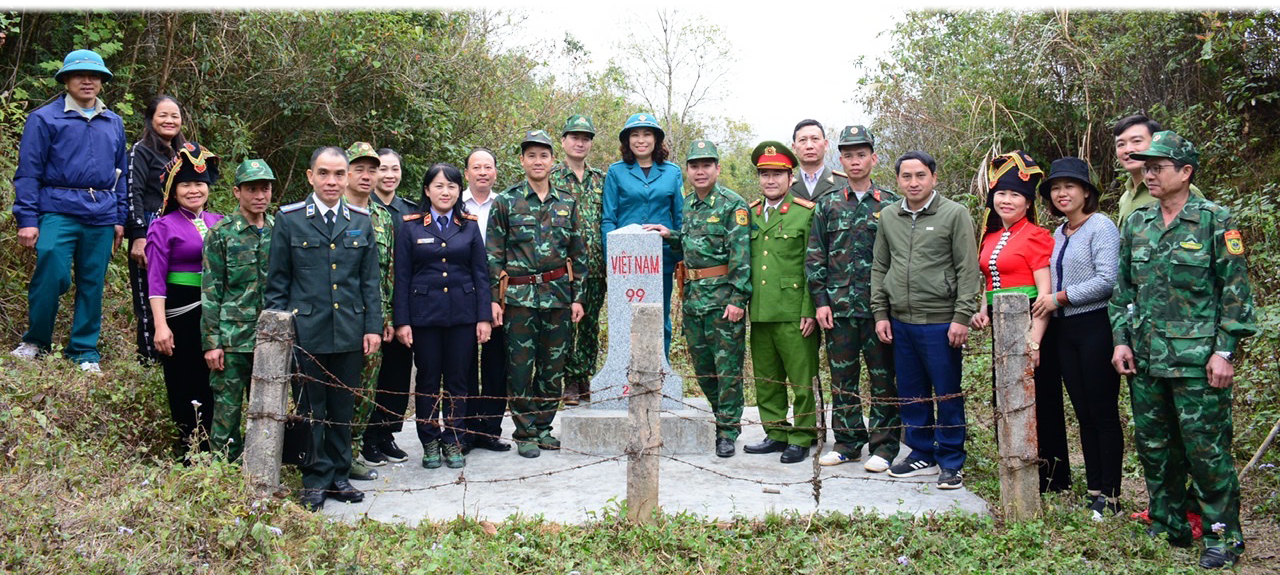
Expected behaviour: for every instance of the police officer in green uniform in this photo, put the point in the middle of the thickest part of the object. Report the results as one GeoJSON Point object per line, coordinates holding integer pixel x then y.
{"type": "Point", "coordinates": [235, 273]}
{"type": "Point", "coordinates": [1180, 307]}
{"type": "Point", "coordinates": [536, 265]}
{"type": "Point", "coordinates": [784, 340]}
{"type": "Point", "coordinates": [362, 170]}
{"type": "Point", "coordinates": [838, 267]}
{"type": "Point", "coordinates": [323, 269]}
{"type": "Point", "coordinates": [587, 183]}
{"type": "Point", "coordinates": [715, 284]}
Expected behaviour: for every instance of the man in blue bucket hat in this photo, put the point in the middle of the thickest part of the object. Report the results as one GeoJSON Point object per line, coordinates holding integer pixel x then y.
{"type": "Point", "coordinates": [70, 206]}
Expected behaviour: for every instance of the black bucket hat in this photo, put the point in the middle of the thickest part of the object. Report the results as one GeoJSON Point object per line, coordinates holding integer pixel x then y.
{"type": "Point", "coordinates": [1068, 167]}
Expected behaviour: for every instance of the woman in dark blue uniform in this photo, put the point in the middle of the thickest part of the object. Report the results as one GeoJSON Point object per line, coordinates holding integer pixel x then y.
{"type": "Point", "coordinates": [441, 307]}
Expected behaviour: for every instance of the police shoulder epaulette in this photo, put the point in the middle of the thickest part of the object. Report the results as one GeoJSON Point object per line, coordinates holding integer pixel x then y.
{"type": "Point", "coordinates": [803, 203]}
{"type": "Point", "coordinates": [411, 217]}
{"type": "Point", "coordinates": [358, 209]}
{"type": "Point", "coordinates": [292, 207]}
{"type": "Point", "coordinates": [471, 217]}
{"type": "Point", "coordinates": [755, 203]}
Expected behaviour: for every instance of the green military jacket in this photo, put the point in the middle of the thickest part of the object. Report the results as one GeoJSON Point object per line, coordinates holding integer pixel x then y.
{"type": "Point", "coordinates": [1182, 291]}
{"type": "Point", "coordinates": [842, 249]}
{"type": "Point", "coordinates": [1136, 195]}
{"type": "Point", "coordinates": [384, 229]}
{"type": "Point", "coordinates": [590, 194]}
{"type": "Point", "coordinates": [234, 276]}
{"type": "Point", "coordinates": [528, 236]}
{"type": "Point", "coordinates": [329, 281]}
{"type": "Point", "coordinates": [716, 232]}
{"type": "Point", "coordinates": [829, 181]}
{"type": "Point", "coordinates": [778, 288]}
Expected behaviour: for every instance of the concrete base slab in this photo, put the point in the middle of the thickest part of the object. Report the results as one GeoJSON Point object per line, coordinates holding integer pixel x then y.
{"type": "Point", "coordinates": [606, 432]}
{"type": "Point", "coordinates": [570, 487]}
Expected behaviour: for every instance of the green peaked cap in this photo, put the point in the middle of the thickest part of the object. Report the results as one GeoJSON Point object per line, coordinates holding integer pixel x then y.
{"type": "Point", "coordinates": [252, 170]}
{"type": "Point", "coordinates": [536, 137]}
{"type": "Point", "coordinates": [578, 123]}
{"type": "Point", "coordinates": [701, 149]}
{"type": "Point", "coordinates": [856, 135]}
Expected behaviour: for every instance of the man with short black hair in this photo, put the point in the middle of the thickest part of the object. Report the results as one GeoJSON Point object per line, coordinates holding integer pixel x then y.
{"type": "Point", "coordinates": [1133, 134]}
{"type": "Point", "coordinates": [810, 142]}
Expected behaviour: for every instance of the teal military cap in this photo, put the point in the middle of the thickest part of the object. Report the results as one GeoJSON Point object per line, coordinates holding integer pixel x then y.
{"type": "Point", "coordinates": [640, 120]}
{"type": "Point", "coordinates": [1168, 144]}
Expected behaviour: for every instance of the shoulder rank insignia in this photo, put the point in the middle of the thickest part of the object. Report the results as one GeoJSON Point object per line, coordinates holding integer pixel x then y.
{"type": "Point", "coordinates": [838, 173]}
{"type": "Point", "coordinates": [740, 216]}
{"type": "Point", "coordinates": [1191, 245]}
{"type": "Point", "coordinates": [410, 217]}
{"type": "Point", "coordinates": [1235, 243]}
{"type": "Point", "coordinates": [471, 217]}
{"type": "Point", "coordinates": [786, 206]}
{"type": "Point", "coordinates": [876, 194]}
{"type": "Point", "coordinates": [311, 208]}
{"type": "Point", "coordinates": [803, 203]}
{"type": "Point", "coordinates": [356, 209]}
{"type": "Point", "coordinates": [346, 212]}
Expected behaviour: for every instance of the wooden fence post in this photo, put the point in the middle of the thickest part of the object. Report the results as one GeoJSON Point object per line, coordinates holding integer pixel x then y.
{"type": "Point", "coordinates": [1015, 407]}
{"type": "Point", "coordinates": [643, 411]}
{"type": "Point", "coordinates": [268, 399]}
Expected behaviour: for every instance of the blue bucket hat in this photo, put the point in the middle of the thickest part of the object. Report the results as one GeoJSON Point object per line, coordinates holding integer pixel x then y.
{"type": "Point", "coordinates": [83, 61]}
{"type": "Point", "coordinates": [641, 120]}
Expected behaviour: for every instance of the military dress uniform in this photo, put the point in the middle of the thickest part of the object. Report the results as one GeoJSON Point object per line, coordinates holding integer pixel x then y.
{"type": "Point", "coordinates": [828, 181]}
{"type": "Point", "coordinates": [838, 267]}
{"type": "Point", "coordinates": [392, 399]}
{"type": "Point", "coordinates": [535, 248]}
{"type": "Point", "coordinates": [326, 275]}
{"type": "Point", "coordinates": [1183, 295]}
{"type": "Point", "coordinates": [586, 337]}
{"type": "Point", "coordinates": [714, 240]}
{"type": "Point", "coordinates": [782, 359]}
{"type": "Point", "coordinates": [234, 276]}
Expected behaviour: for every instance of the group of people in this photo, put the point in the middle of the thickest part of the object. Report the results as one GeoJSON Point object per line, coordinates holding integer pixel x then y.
{"type": "Point", "coordinates": [514, 281]}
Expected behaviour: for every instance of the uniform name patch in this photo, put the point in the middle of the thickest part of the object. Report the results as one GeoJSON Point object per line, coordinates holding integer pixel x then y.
{"type": "Point", "coordinates": [1235, 243]}
{"type": "Point", "coordinates": [353, 233]}
{"type": "Point", "coordinates": [740, 216]}
{"type": "Point", "coordinates": [425, 240]}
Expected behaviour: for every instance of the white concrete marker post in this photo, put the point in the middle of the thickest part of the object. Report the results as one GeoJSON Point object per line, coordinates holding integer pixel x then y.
{"type": "Point", "coordinates": [645, 379]}
{"type": "Point", "coordinates": [268, 400]}
{"type": "Point", "coordinates": [1015, 407]}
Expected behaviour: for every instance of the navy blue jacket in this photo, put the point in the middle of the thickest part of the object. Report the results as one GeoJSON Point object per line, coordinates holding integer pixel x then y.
{"type": "Point", "coordinates": [62, 156]}
{"type": "Point", "coordinates": [442, 277]}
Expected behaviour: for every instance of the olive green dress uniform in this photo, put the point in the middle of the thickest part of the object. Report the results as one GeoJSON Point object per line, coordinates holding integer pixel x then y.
{"type": "Point", "coordinates": [1183, 294]}
{"type": "Point", "coordinates": [715, 234]}
{"type": "Point", "coordinates": [328, 278]}
{"type": "Point", "coordinates": [829, 181]}
{"type": "Point", "coordinates": [588, 190]}
{"type": "Point", "coordinates": [782, 359]}
{"type": "Point", "coordinates": [232, 282]}
{"type": "Point", "coordinates": [838, 267]}
{"type": "Point", "coordinates": [530, 237]}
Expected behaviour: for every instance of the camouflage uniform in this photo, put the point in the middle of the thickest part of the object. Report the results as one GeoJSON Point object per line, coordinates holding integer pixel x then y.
{"type": "Point", "coordinates": [716, 232]}
{"type": "Point", "coordinates": [586, 338]}
{"type": "Point", "coordinates": [838, 267]}
{"type": "Point", "coordinates": [1183, 294]}
{"type": "Point", "coordinates": [529, 236]}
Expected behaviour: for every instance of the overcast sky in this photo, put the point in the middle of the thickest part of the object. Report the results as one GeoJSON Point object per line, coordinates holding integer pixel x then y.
{"type": "Point", "coordinates": [815, 51]}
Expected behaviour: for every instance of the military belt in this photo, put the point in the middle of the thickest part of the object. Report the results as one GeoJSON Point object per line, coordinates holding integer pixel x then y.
{"type": "Point", "coordinates": [704, 273]}
{"type": "Point", "coordinates": [538, 278]}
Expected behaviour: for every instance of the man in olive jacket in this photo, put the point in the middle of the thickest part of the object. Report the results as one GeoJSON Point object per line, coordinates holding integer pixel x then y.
{"type": "Point", "coordinates": [925, 285]}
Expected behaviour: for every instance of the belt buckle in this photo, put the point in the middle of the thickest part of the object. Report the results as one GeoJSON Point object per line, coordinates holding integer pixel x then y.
{"type": "Point", "coordinates": [537, 279]}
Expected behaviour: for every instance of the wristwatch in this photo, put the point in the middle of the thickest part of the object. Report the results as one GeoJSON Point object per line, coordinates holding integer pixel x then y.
{"type": "Point", "coordinates": [1224, 355]}
{"type": "Point", "coordinates": [1035, 346]}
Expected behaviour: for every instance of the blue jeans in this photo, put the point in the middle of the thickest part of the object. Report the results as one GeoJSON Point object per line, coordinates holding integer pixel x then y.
{"type": "Point", "coordinates": [65, 245]}
{"type": "Point", "coordinates": [928, 366]}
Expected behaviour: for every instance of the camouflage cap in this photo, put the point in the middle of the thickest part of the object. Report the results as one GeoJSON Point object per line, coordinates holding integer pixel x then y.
{"type": "Point", "coordinates": [1168, 144]}
{"type": "Point", "coordinates": [578, 123]}
{"type": "Point", "coordinates": [702, 149]}
{"type": "Point", "coordinates": [254, 170]}
{"type": "Point", "coordinates": [360, 150]}
{"type": "Point", "coordinates": [536, 138]}
{"type": "Point", "coordinates": [856, 135]}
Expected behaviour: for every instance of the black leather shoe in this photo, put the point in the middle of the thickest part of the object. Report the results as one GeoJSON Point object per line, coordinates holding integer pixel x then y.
{"type": "Point", "coordinates": [1217, 558]}
{"type": "Point", "coordinates": [724, 447]}
{"type": "Point", "coordinates": [794, 454]}
{"type": "Point", "coordinates": [312, 499]}
{"type": "Point", "coordinates": [766, 446]}
{"type": "Point", "coordinates": [343, 491]}
{"type": "Point", "coordinates": [490, 444]}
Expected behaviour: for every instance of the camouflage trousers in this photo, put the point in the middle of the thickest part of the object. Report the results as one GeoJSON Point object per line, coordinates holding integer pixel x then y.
{"type": "Point", "coordinates": [851, 336]}
{"type": "Point", "coordinates": [1182, 426]}
{"type": "Point", "coordinates": [538, 343]}
{"type": "Point", "coordinates": [586, 339]}
{"type": "Point", "coordinates": [717, 347]}
{"type": "Point", "coordinates": [229, 388]}
{"type": "Point", "coordinates": [365, 400]}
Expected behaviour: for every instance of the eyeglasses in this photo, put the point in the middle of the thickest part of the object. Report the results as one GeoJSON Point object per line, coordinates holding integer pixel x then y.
{"type": "Point", "coordinates": [1156, 169]}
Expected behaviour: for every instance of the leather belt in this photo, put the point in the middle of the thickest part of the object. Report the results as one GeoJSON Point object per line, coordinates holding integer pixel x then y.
{"type": "Point", "coordinates": [538, 278]}
{"type": "Point", "coordinates": [704, 273]}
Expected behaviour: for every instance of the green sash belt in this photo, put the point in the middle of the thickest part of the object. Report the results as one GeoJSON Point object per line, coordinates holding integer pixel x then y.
{"type": "Point", "coordinates": [1031, 292]}
{"type": "Point", "coordinates": [190, 278]}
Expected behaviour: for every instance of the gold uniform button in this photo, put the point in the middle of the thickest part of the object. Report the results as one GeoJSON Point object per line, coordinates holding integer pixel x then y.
{"type": "Point", "coordinates": [766, 252]}
{"type": "Point", "coordinates": [766, 238]}
{"type": "Point", "coordinates": [761, 282]}
{"type": "Point", "coordinates": [446, 274]}
{"type": "Point", "coordinates": [444, 245]}
{"type": "Point", "coordinates": [764, 267]}
{"type": "Point", "coordinates": [335, 306]}
{"type": "Point", "coordinates": [304, 244]}
{"type": "Point", "coordinates": [335, 286]}
{"type": "Point", "coordinates": [295, 310]}
{"type": "Point", "coordinates": [795, 285]}
{"type": "Point", "coordinates": [333, 247]}
{"type": "Point", "coordinates": [355, 243]}
{"type": "Point", "coordinates": [333, 266]}
{"type": "Point", "coordinates": [446, 290]}
{"type": "Point", "coordinates": [444, 260]}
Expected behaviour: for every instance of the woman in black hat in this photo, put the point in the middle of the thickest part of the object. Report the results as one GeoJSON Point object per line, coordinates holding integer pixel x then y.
{"type": "Point", "coordinates": [175, 244]}
{"type": "Point", "coordinates": [1083, 268]}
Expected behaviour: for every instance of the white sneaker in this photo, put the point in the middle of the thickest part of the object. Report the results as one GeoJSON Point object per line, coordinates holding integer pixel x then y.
{"type": "Point", "coordinates": [833, 458]}
{"type": "Point", "coordinates": [876, 464]}
{"type": "Point", "coordinates": [91, 367]}
{"type": "Point", "coordinates": [26, 350]}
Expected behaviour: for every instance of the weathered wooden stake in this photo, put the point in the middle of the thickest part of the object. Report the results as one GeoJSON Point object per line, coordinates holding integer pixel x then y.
{"type": "Point", "coordinates": [268, 400]}
{"type": "Point", "coordinates": [643, 411]}
{"type": "Point", "coordinates": [1015, 408]}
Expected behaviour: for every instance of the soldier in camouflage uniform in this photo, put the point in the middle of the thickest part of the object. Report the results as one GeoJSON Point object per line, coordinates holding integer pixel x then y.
{"type": "Point", "coordinates": [715, 284]}
{"type": "Point", "coordinates": [586, 183]}
{"type": "Point", "coordinates": [235, 272]}
{"type": "Point", "coordinates": [838, 266]}
{"type": "Point", "coordinates": [1180, 307]}
{"type": "Point", "coordinates": [536, 253]}
{"type": "Point", "coordinates": [364, 163]}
